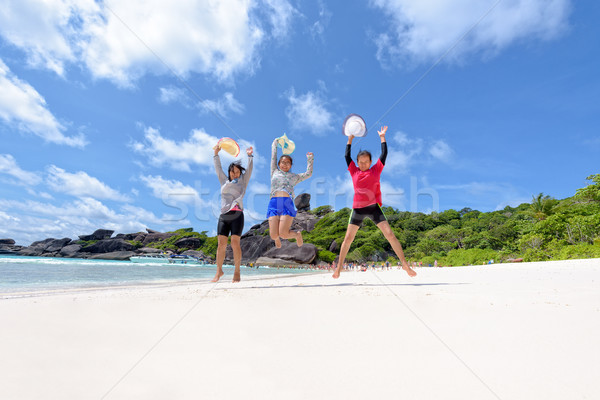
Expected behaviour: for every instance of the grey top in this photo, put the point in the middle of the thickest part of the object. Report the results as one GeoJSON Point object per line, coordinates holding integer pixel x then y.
{"type": "Point", "coordinates": [285, 181]}
{"type": "Point", "coordinates": [232, 192]}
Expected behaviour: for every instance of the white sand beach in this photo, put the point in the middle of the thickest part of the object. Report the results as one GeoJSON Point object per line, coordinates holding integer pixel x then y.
{"type": "Point", "coordinates": [504, 331]}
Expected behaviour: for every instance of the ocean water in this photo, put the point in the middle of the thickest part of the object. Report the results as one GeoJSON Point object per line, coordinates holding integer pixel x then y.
{"type": "Point", "coordinates": [38, 274]}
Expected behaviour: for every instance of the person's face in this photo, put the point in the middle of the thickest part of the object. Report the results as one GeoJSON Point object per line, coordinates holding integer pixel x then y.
{"type": "Point", "coordinates": [364, 163]}
{"type": "Point", "coordinates": [285, 164]}
{"type": "Point", "coordinates": [234, 173]}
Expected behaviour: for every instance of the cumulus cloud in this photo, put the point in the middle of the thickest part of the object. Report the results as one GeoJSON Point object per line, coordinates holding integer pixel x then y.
{"type": "Point", "coordinates": [163, 188]}
{"type": "Point", "coordinates": [422, 31]}
{"type": "Point", "coordinates": [22, 107]}
{"type": "Point", "coordinates": [80, 184]}
{"type": "Point", "coordinates": [9, 166]}
{"type": "Point", "coordinates": [172, 94]}
{"type": "Point", "coordinates": [405, 150]}
{"type": "Point", "coordinates": [122, 41]}
{"type": "Point", "coordinates": [178, 155]}
{"type": "Point", "coordinates": [308, 112]}
{"type": "Point", "coordinates": [84, 215]}
{"type": "Point", "coordinates": [223, 105]}
{"type": "Point", "coordinates": [441, 150]}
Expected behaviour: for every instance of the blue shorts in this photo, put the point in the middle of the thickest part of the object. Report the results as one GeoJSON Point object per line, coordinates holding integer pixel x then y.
{"type": "Point", "coordinates": [281, 206]}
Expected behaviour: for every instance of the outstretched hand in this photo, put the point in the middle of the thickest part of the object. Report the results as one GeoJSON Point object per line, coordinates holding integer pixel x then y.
{"type": "Point", "coordinates": [249, 151]}
{"type": "Point", "coordinates": [382, 131]}
{"type": "Point", "coordinates": [217, 149]}
{"type": "Point", "coordinates": [309, 155]}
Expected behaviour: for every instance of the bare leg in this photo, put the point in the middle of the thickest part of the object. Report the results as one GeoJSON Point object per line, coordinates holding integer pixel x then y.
{"type": "Point", "coordinates": [348, 239]}
{"type": "Point", "coordinates": [385, 228]}
{"type": "Point", "coordinates": [284, 230]}
{"type": "Point", "coordinates": [274, 230]}
{"type": "Point", "coordinates": [221, 248]}
{"type": "Point", "coordinates": [237, 256]}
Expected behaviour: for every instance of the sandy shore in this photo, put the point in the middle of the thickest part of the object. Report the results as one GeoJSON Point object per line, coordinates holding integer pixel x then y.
{"type": "Point", "coordinates": [519, 331]}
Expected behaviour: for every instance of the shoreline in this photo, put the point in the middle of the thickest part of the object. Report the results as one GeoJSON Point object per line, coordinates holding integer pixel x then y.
{"type": "Point", "coordinates": [486, 332]}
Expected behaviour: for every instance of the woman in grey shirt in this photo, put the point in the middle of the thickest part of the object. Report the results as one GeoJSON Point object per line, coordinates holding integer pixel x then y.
{"type": "Point", "coordinates": [231, 220]}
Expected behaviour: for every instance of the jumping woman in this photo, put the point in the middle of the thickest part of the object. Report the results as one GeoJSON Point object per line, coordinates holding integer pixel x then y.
{"type": "Point", "coordinates": [281, 210]}
{"type": "Point", "coordinates": [367, 201]}
{"type": "Point", "coordinates": [231, 221]}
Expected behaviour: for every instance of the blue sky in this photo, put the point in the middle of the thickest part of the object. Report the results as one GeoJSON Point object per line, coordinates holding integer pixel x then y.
{"type": "Point", "coordinates": [109, 109]}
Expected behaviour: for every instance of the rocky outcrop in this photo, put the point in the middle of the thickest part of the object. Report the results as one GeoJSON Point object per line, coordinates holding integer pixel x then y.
{"type": "Point", "coordinates": [108, 246]}
{"type": "Point", "coordinates": [189, 243]}
{"type": "Point", "coordinates": [8, 247]}
{"type": "Point", "coordinates": [114, 255]}
{"type": "Point", "coordinates": [70, 251]}
{"type": "Point", "coordinates": [302, 202]}
{"type": "Point", "coordinates": [99, 234]}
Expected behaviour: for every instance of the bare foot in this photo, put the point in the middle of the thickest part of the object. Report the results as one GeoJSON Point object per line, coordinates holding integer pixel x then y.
{"type": "Point", "coordinates": [218, 276]}
{"type": "Point", "coordinates": [236, 277]}
{"type": "Point", "coordinates": [409, 270]}
{"type": "Point", "coordinates": [299, 240]}
{"type": "Point", "coordinates": [336, 273]}
{"type": "Point", "coordinates": [278, 243]}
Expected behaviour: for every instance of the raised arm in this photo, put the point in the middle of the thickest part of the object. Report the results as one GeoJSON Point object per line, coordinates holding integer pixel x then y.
{"type": "Point", "coordinates": [248, 173]}
{"type": "Point", "coordinates": [348, 154]}
{"type": "Point", "coordinates": [218, 168]}
{"type": "Point", "coordinates": [274, 156]}
{"type": "Point", "coordinates": [383, 155]}
{"type": "Point", "coordinates": [309, 168]}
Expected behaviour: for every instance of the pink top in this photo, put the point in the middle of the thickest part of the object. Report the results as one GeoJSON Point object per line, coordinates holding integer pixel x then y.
{"type": "Point", "coordinates": [236, 208]}
{"type": "Point", "coordinates": [367, 189]}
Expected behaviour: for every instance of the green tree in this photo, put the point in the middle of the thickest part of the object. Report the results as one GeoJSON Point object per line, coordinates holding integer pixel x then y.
{"type": "Point", "coordinates": [542, 206]}
{"type": "Point", "coordinates": [590, 193]}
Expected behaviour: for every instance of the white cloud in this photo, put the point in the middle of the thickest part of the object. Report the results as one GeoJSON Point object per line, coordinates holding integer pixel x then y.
{"type": "Point", "coordinates": [164, 188]}
{"type": "Point", "coordinates": [39, 220]}
{"type": "Point", "coordinates": [24, 108]}
{"type": "Point", "coordinates": [179, 155]}
{"type": "Point", "coordinates": [122, 41]}
{"type": "Point", "coordinates": [318, 28]}
{"type": "Point", "coordinates": [223, 105]}
{"type": "Point", "coordinates": [441, 150]}
{"type": "Point", "coordinates": [80, 184]}
{"type": "Point", "coordinates": [424, 30]}
{"type": "Point", "coordinates": [402, 152]}
{"type": "Point", "coordinates": [172, 94]}
{"type": "Point", "coordinates": [308, 112]}
{"type": "Point", "coordinates": [8, 165]}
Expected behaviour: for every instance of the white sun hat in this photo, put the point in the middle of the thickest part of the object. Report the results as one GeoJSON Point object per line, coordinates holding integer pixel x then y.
{"type": "Point", "coordinates": [354, 125]}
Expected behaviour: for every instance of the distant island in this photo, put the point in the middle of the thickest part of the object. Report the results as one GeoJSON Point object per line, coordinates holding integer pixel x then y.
{"type": "Point", "coordinates": [545, 229]}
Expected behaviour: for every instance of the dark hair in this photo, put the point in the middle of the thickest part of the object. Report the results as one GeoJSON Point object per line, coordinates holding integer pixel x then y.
{"type": "Point", "coordinates": [233, 165]}
{"type": "Point", "coordinates": [286, 156]}
{"type": "Point", "coordinates": [364, 153]}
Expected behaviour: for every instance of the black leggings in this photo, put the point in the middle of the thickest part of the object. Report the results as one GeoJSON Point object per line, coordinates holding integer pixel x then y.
{"type": "Point", "coordinates": [231, 222]}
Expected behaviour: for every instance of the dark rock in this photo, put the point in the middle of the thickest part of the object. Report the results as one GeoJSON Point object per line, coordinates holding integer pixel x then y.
{"type": "Point", "coordinates": [189, 243]}
{"type": "Point", "coordinates": [99, 234]}
{"type": "Point", "coordinates": [149, 250]}
{"type": "Point", "coordinates": [109, 246]}
{"type": "Point", "coordinates": [269, 261]}
{"type": "Point", "coordinates": [156, 237]}
{"type": "Point", "coordinates": [42, 244]}
{"type": "Point", "coordinates": [305, 254]}
{"type": "Point", "coordinates": [7, 241]}
{"type": "Point", "coordinates": [252, 248]}
{"type": "Point", "coordinates": [333, 246]}
{"type": "Point", "coordinates": [31, 251]}
{"type": "Point", "coordinates": [128, 236]}
{"type": "Point", "coordinates": [304, 221]}
{"type": "Point", "coordinates": [56, 245]}
{"type": "Point", "coordinates": [196, 253]}
{"type": "Point", "coordinates": [113, 255]}
{"type": "Point", "coordinates": [302, 202]}
{"type": "Point", "coordinates": [151, 231]}
{"type": "Point", "coordinates": [70, 250]}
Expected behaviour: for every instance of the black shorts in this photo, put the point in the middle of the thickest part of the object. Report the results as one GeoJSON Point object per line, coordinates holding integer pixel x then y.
{"type": "Point", "coordinates": [373, 212]}
{"type": "Point", "coordinates": [231, 222]}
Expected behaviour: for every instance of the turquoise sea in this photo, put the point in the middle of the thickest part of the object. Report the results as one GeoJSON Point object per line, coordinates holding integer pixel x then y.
{"type": "Point", "coordinates": [39, 274]}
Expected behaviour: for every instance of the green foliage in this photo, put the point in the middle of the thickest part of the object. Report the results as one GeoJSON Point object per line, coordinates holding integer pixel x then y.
{"type": "Point", "coordinates": [169, 244]}
{"type": "Point", "coordinates": [210, 246]}
{"type": "Point", "coordinates": [590, 193]}
{"type": "Point", "coordinates": [326, 255]}
{"type": "Point", "coordinates": [137, 244]}
{"type": "Point", "coordinates": [320, 211]}
{"type": "Point", "coordinates": [85, 243]}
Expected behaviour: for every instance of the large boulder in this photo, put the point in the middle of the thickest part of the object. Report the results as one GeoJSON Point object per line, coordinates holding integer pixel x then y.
{"type": "Point", "coordinates": [99, 234]}
{"type": "Point", "coordinates": [333, 247]}
{"type": "Point", "coordinates": [189, 243]}
{"type": "Point", "coordinates": [302, 202]}
{"type": "Point", "coordinates": [268, 261]}
{"type": "Point", "coordinates": [56, 245]}
{"type": "Point", "coordinates": [114, 255]}
{"type": "Point", "coordinates": [149, 250]}
{"type": "Point", "coordinates": [70, 250]}
{"type": "Point", "coordinates": [156, 237]}
{"type": "Point", "coordinates": [252, 248]}
{"type": "Point", "coordinates": [305, 254]}
{"type": "Point", "coordinates": [7, 241]}
{"type": "Point", "coordinates": [109, 246]}
{"type": "Point", "coordinates": [304, 221]}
